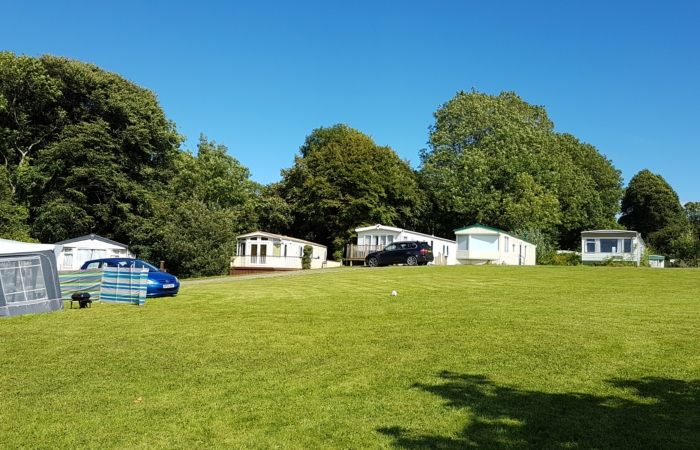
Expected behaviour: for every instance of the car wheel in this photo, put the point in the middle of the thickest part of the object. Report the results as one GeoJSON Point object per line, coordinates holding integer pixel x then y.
{"type": "Point", "coordinates": [373, 262]}
{"type": "Point", "coordinates": [412, 261]}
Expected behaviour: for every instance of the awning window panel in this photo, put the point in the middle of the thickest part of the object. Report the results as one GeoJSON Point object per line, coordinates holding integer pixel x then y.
{"type": "Point", "coordinates": [22, 280]}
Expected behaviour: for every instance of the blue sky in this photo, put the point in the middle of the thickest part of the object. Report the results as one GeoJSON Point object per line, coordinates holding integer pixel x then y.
{"type": "Point", "coordinates": [261, 75]}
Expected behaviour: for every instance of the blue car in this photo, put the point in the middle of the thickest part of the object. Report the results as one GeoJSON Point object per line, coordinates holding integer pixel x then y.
{"type": "Point", "coordinates": [159, 283]}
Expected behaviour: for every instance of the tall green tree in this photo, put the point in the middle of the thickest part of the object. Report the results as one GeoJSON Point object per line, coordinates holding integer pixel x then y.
{"type": "Point", "coordinates": [497, 160]}
{"type": "Point", "coordinates": [684, 248]}
{"type": "Point", "coordinates": [650, 205]}
{"type": "Point", "coordinates": [85, 149]}
{"type": "Point", "coordinates": [193, 238]}
{"type": "Point", "coordinates": [692, 213]}
{"type": "Point", "coordinates": [13, 218]}
{"type": "Point", "coordinates": [273, 213]}
{"type": "Point", "coordinates": [342, 179]}
{"type": "Point", "coordinates": [30, 112]}
{"type": "Point", "coordinates": [213, 176]}
{"type": "Point", "coordinates": [680, 241]}
{"type": "Point", "coordinates": [209, 201]}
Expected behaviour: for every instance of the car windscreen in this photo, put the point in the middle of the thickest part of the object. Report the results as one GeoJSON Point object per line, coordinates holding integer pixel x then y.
{"type": "Point", "coordinates": [143, 264]}
{"type": "Point", "coordinates": [135, 263]}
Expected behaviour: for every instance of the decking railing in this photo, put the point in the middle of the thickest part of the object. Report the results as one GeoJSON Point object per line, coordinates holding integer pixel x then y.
{"type": "Point", "coordinates": [440, 260]}
{"type": "Point", "coordinates": [276, 262]}
{"type": "Point", "coordinates": [360, 252]}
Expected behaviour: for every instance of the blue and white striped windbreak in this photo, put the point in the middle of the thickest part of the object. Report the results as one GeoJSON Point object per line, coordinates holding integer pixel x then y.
{"type": "Point", "coordinates": [124, 285]}
{"type": "Point", "coordinates": [73, 281]}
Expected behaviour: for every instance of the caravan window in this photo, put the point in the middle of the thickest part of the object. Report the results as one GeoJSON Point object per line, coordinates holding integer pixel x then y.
{"type": "Point", "coordinates": [590, 245]}
{"type": "Point", "coordinates": [86, 254]}
{"type": "Point", "coordinates": [628, 245]}
{"type": "Point", "coordinates": [462, 242]}
{"type": "Point", "coordinates": [22, 280]}
{"type": "Point", "coordinates": [67, 257]}
{"type": "Point", "coordinates": [608, 246]}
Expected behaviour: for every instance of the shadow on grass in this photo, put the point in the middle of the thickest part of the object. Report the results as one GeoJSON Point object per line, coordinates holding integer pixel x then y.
{"type": "Point", "coordinates": [658, 413]}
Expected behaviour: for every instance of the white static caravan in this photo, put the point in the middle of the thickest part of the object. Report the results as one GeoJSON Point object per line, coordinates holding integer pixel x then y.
{"type": "Point", "coordinates": [479, 244]}
{"type": "Point", "coordinates": [376, 237]}
{"type": "Point", "coordinates": [85, 248]}
{"type": "Point", "coordinates": [260, 251]}
{"type": "Point", "coordinates": [620, 245]}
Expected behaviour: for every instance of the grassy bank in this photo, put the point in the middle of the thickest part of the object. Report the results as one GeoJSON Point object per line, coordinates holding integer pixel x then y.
{"type": "Point", "coordinates": [494, 357]}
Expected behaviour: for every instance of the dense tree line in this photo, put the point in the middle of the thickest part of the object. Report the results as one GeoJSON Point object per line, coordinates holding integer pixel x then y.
{"type": "Point", "coordinates": [496, 160]}
{"type": "Point", "coordinates": [86, 151]}
{"type": "Point", "coordinates": [651, 206]}
{"type": "Point", "coordinates": [342, 179]}
{"type": "Point", "coordinates": [83, 150]}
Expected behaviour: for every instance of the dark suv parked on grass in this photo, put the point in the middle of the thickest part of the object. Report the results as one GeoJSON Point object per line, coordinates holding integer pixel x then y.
{"type": "Point", "coordinates": [411, 253]}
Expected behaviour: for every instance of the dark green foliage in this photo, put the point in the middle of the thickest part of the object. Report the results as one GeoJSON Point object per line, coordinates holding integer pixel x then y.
{"type": "Point", "coordinates": [612, 262]}
{"type": "Point", "coordinates": [683, 241]}
{"type": "Point", "coordinates": [651, 207]}
{"type": "Point", "coordinates": [209, 202]}
{"type": "Point", "coordinates": [546, 247]}
{"type": "Point", "coordinates": [86, 150]}
{"type": "Point", "coordinates": [306, 258]}
{"type": "Point", "coordinates": [342, 180]}
{"type": "Point", "coordinates": [496, 160]}
{"type": "Point", "coordinates": [196, 239]}
{"type": "Point", "coordinates": [567, 259]}
{"type": "Point", "coordinates": [213, 177]}
{"type": "Point", "coordinates": [650, 204]}
{"type": "Point", "coordinates": [13, 218]}
{"type": "Point", "coordinates": [685, 249]}
{"type": "Point", "coordinates": [661, 241]}
{"type": "Point", "coordinates": [546, 253]}
{"type": "Point", "coordinates": [273, 213]}
{"type": "Point", "coordinates": [692, 213]}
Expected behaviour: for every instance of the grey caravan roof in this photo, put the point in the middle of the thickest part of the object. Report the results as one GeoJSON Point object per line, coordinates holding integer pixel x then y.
{"type": "Point", "coordinates": [92, 237]}
{"type": "Point", "coordinates": [28, 279]}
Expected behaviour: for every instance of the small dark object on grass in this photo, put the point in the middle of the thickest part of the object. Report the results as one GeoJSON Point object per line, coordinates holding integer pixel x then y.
{"type": "Point", "coordinates": [83, 299]}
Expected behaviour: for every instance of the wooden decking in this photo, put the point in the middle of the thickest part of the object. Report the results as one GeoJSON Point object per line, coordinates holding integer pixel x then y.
{"type": "Point", "coordinates": [236, 271]}
{"type": "Point", "coordinates": [358, 253]}
{"type": "Point", "coordinates": [251, 264]}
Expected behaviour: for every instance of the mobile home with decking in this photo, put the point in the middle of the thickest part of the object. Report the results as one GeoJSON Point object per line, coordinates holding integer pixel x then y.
{"type": "Point", "coordinates": [260, 251]}
{"type": "Point", "coordinates": [374, 238]}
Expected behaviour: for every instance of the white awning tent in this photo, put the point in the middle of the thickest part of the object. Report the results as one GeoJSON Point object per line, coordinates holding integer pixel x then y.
{"type": "Point", "coordinates": [28, 278]}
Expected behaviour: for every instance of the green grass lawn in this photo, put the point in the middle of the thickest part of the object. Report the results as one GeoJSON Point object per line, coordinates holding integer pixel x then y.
{"type": "Point", "coordinates": [464, 357]}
